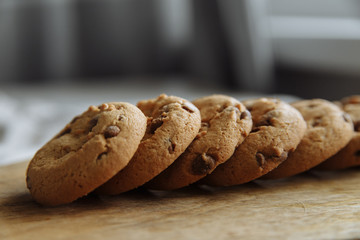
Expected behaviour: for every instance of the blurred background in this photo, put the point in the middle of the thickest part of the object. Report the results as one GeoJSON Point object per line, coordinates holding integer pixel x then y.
{"type": "Point", "coordinates": [59, 56]}
{"type": "Point", "coordinates": [309, 48]}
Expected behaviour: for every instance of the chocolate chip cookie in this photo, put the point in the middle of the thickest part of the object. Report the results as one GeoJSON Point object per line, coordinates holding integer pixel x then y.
{"type": "Point", "coordinates": [277, 130]}
{"type": "Point", "coordinates": [225, 122]}
{"type": "Point", "coordinates": [349, 156]}
{"type": "Point", "coordinates": [90, 150]}
{"type": "Point", "coordinates": [328, 130]}
{"type": "Point", "coordinates": [173, 123]}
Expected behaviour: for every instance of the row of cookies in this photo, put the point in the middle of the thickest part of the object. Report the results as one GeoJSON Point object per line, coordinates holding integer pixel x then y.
{"type": "Point", "coordinates": [168, 143]}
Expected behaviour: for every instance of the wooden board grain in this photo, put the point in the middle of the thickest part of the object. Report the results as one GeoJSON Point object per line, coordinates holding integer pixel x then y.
{"type": "Point", "coordinates": [309, 206]}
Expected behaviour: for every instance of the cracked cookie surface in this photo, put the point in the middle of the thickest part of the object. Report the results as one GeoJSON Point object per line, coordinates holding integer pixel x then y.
{"type": "Point", "coordinates": [173, 123]}
{"type": "Point", "coordinates": [329, 129]}
{"type": "Point", "coordinates": [225, 123]}
{"type": "Point", "coordinates": [90, 150]}
{"type": "Point", "coordinates": [277, 130]}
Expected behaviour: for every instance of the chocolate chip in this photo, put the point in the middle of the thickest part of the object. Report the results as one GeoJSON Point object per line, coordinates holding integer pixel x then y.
{"type": "Point", "coordinates": [316, 122]}
{"type": "Point", "coordinates": [264, 122]}
{"type": "Point", "coordinates": [203, 164]}
{"type": "Point", "coordinates": [313, 105]}
{"type": "Point", "coordinates": [66, 149]}
{"type": "Point", "coordinates": [357, 126]}
{"type": "Point", "coordinates": [121, 117]}
{"type": "Point", "coordinates": [260, 158]}
{"type": "Point", "coordinates": [230, 109]}
{"type": "Point", "coordinates": [357, 153]}
{"type": "Point", "coordinates": [101, 155]}
{"type": "Point", "coordinates": [188, 107]}
{"type": "Point", "coordinates": [111, 131]}
{"type": "Point", "coordinates": [347, 117]}
{"type": "Point", "coordinates": [74, 119]}
{"type": "Point", "coordinates": [93, 122]}
{"type": "Point", "coordinates": [171, 147]}
{"type": "Point", "coordinates": [155, 124]}
{"type": "Point", "coordinates": [245, 115]}
{"type": "Point", "coordinates": [65, 131]}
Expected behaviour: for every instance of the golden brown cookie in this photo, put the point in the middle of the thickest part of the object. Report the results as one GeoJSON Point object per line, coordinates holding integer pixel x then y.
{"type": "Point", "coordinates": [86, 153]}
{"type": "Point", "coordinates": [173, 124]}
{"type": "Point", "coordinates": [277, 130]}
{"type": "Point", "coordinates": [328, 130]}
{"type": "Point", "coordinates": [349, 156]}
{"type": "Point", "coordinates": [225, 123]}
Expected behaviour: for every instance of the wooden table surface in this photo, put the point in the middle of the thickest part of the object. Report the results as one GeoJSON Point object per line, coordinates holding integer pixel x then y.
{"type": "Point", "coordinates": [309, 206]}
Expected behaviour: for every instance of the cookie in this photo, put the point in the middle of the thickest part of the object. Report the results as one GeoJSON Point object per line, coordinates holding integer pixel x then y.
{"type": "Point", "coordinates": [225, 123]}
{"type": "Point", "coordinates": [328, 130]}
{"type": "Point", "coordinates": [277, 130]}
{"type": "Point", "coordinates": [90, 150]}
{"type": "Point", "coordinates": [349, 156]}
{"type": "Point", "coordinates": [173, 123]}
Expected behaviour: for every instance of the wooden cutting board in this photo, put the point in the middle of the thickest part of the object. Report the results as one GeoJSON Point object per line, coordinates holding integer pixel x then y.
{"type": "Point", "coordinates": [309, 206]}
